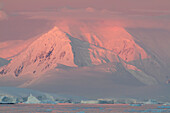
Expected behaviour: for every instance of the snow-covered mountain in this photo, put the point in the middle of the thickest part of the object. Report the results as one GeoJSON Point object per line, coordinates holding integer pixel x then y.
{"type": "Point", "coordinates": [60, 49]}
{"type": "Point", "coordinates": [74, 61]}
{"type": "Point", "coordinates": [57, 47]}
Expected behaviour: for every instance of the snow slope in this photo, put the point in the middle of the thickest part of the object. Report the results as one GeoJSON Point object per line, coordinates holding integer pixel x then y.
{"type": "Point", "coordinates": [156, 44]}
{"type": "Point", "coordinates": [113, 38]}
{"type": "Point", "coordinates": [3, 62]}
{"type": "Point", "coordinates": [12, 48]}
{"type": "Point", "coordinates": [93, 82]}
{"type": "Point", "coordinates": [154, 41]}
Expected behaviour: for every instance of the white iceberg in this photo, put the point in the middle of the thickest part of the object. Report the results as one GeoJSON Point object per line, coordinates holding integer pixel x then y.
{"type": "Point", "coordinates": [7, 99]}
{"type": "Point", "coordinates": [32, 100]}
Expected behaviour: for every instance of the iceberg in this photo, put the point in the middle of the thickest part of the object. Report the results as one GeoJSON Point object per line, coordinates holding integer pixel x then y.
{"type": "Point", "coordinates": [32, 100]}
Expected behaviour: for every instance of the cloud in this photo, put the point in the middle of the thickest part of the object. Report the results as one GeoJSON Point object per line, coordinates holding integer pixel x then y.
{"type": "Point", "coordinates": [89, 9]}
{"type": "Point", "coordinates": [131, 19]}
{"type": "Point", "coordinates": [3, 15]}
{"type": "Point", "coordinates": [114, 5]}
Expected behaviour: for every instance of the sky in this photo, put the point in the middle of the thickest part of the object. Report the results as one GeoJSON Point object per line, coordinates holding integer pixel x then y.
{"type": "Point", "coordinates": [20, 5]}
{"type": "Point", "coordinates": [23, 19]}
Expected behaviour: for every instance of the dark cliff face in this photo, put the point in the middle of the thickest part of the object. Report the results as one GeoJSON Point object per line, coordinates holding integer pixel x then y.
{"type": "Point", "coordinates": [3, 72]}
{"type": "Point", "coordinates": [18, 70]}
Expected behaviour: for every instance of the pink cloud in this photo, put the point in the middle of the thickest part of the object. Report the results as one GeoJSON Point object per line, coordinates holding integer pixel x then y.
{"type": "Point", "coordinates": [3, 15]}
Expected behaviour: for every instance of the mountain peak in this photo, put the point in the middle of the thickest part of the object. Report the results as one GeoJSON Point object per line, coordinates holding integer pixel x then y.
{"type": "Point", "coordinates": [55, 29]}
{"type": "Point", "coordinates": [43, 54]}
{"type": "Point", "coordinates": [54, 34]}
